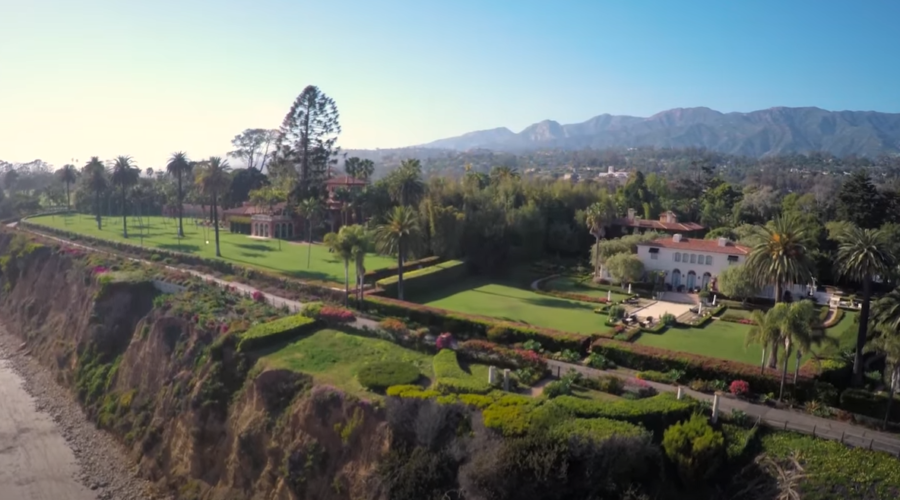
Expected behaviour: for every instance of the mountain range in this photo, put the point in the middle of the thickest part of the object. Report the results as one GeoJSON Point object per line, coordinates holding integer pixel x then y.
{"type": "Point", "coordinates": [772, 131]}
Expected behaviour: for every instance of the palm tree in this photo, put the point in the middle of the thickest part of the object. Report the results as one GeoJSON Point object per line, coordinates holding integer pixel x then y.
{"type": "Point", "coordinates": [179, 166]}
{"type": "Point", "coordinates": [405, 183]}
{"type": "Point", "coordinates": [888, 344]}
{"type": "Point", "coordinates": [68, 174]}
{"type": "Point", "coordinates": [808, 333]}
{"type": "Point", "coordinates": [764, 331]}
{"type": "Point", "coordinates": [341, 243]}
{"type": "Point", "coordinates": [796, 325]}
{"type": "Point", "coordinates": [862, 255]}
{"type": "Point", "coordinates": [343, 196]}
{"type": "Point", "coordinates": [95, 173]}
{"type": "Point", "coordinates": [780, 259]}
{"type": "Point", "coordinates": [504, 173]}
{"type": "Point", "coordinates": [397, 236]}
{"type": "Point", "coordinates": [597, 217]}
{"type": "Point", "coordinates": [360, 238]}
{"type": "Point", "coordinates": [365, 169]}
{"type": "Point", "coordinates": [212, 179]}
{"type": "Point", "coordinates": [124, 175]}
{"type": "Point", "coordinates": [311, 209]}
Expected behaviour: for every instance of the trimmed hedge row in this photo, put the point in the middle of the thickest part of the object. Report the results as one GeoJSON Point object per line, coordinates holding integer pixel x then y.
{"type": "Point", "coordinates": [695, 366]}
{"type": "Point", "coordinates": [470, 325]}
{"type": "Point", "coordinates": [598, 429]}
{"type": "Point", "coordinates": [383, 374]}
{"type": "Point", "coordinates": [378, 274]}
{"type": "Point", "coordinates": [273, 332]}
{"type": "Point", "coordinates": [655, 413]}
{"type": "Point", "coordinates": [424, 279]}
{"type": "Point", "coordinates": [450, 378]}
{"type": "Point", "coordinates": [491, 353]}
{"type": "Point", "coordinates": [869, 404]}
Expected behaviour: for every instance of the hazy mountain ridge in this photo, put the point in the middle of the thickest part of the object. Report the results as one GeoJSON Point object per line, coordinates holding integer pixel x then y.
{"type": "Point", "coordinates": [760, 133]}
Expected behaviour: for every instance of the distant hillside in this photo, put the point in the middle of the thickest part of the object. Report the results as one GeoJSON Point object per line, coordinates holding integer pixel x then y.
{"type": "Point", "coordinates": [759, 133]}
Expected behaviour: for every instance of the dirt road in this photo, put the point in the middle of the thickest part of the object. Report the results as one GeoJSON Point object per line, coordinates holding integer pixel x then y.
{"type": "Point", "coordinates": [35, 461]}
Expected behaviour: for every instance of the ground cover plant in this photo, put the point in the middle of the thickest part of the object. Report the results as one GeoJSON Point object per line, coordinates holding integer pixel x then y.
{"type": "Point", "coordinates": [287, 257]}
{"type": "Point", "coordinates": [336, 358]}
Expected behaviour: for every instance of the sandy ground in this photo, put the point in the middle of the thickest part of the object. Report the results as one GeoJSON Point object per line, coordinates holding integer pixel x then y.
{"type": "Point", "coordinates": [658, 309]}
{"type": "Point", "coordinates": [35, 461]}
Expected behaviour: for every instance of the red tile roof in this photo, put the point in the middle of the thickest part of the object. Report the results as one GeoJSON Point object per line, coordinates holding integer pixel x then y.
{"type": "Point", "coordinates": [697, 245]}
{"type": "Point", "coordinates": [665, 226]}
{"type": "Point", "coordinates": [345, 180]}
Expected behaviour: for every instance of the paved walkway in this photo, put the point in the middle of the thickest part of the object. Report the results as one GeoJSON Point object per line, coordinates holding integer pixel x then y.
{"type": "Point", "coordinates": [852, 435]}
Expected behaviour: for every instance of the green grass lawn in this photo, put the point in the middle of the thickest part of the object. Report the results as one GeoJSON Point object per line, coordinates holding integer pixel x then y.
{"type": "Point", "coordinates": [288, 258]}
{"type": "Point", "coordinates": [507, 299]}
{"type": "Point", "coordinates": [571, 285]}
{"type": "Point", "coordinates": [334, 358]}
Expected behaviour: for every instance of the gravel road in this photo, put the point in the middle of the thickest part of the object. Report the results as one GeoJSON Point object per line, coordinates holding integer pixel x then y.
{"type": "Point", "coordinates": [48, 449]}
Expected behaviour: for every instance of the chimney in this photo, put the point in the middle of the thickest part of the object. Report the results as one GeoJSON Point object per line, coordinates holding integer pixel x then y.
{"type": "Point", "coordinates": [723, 242]}
{"type": "Point", "coordinates": [611, 170]}
{"type": "Point", "coordinates": [630, 215]}
{"type": "Point", "coordinates": [676, 238]}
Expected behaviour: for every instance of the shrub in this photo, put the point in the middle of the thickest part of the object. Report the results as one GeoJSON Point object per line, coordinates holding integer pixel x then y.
{"type": "Point", "coordinates": [557, 388]}
{"type": "Point", "coordinates": [258, 296]}
{"type": "Point", "coordinates": [452, 379]}
{"type": "Point", "coordinates": [695, 448]}
{"type": "Point", "coordinates": [273, 332]}
{"type": "Point", "coordinates": [655, 413]}
{"type": "Point", "coordinates": [609, 384]}
{"type": "Point", "coordinates": [528, 376]}
{"type": "Point", "coordinates": [700, 385]}
{"type": "Point", "coordinates": [426, 278]}
{"type": "Point", "coordinates": [667, 319]}
{"type": "Point", "coordinates": [533, 346]}
{"type": "Point", "coordinates": [572, 296]}
{"type": "Point", "coordinates": [499, 333]}
{"type": "Point", "coordinates": [383, 374]}
{"type": "Point", "coordinates": [467, 325]}
{"type": "Point", "coordinates": [311, 309]}
{"type": "Point", "coordinates": [870, 404]}
{"type": "Point", "coordinates": [332, 315]}
{"type": "Point", "coordinates": [394, 326]}
{"type": "Point", "coordinates": [734, 318]}
{"type": "Point", "coordinates": [567, 356]}
{"type": "Point", "coordinates": [655, 376]}
{"type": "Point", "coordinates": [384, 272]}
{"type": "Point", "coordinates": [616, 312]}
{"type": "Point", "coordinates": [599, 361]}
{"type": "Point", "coordinates": [739, 388]}
{"type": "Point", "coordinates": [444, 341]}
{"type": "Point", "coordinates": [488, 352]}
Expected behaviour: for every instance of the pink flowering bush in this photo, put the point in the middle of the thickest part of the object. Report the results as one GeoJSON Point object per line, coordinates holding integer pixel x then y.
{"type": "Point", "coordinates": [100, 269]}
{"type": "Point", "coordinates": [739, 388]}
{"type": "Point", "coordinates": [332, 314]}
{"type": "Point", "coordinates": [258, 296]}
{"type": "Point", "coordinates": [444, 341]}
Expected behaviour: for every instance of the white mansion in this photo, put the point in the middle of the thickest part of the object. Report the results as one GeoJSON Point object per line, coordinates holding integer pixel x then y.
{"type": "Point", "coordinates": [693, 264]}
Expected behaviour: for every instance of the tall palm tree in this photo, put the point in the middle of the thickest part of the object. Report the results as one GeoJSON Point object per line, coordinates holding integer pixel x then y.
{"type": "Point", "coordinates": [365, 169]}
{"type": "Point", "coordinates": [212, 179]}
{"type": "Point", "coordinates": [342, 243]}
{"type": "Point", "coordinates": [343, 196]}
{"type": "Point", "coordinates": [311, 209]}
{"type": "Point", "coordinates": [179, 166]}
{"type": "Point", "coordinates": [360, 238]}
{"type": "Point", "coordinates": [796, 325]}
{"type": "Point", "coordinates": [405, 183]}
{"type": "Point", "coordinates": [781, 258]}
{"type": "Point", "coordinates": [862, 255]}
{"type": "Point", "coordinates": [68, 174]}
{"type": "Point", "coordinates": [124, 175]}
{"type": "Point", "coordinates": [597, 217]}
{"type": "Point", "coordinates": [95, 173]}
{"type": "Point", "coordinates": [764, 332]}
{"type": "Point", "coordinates": [808, 333]}
{"type": "Point", "coordinates": [397, 236]}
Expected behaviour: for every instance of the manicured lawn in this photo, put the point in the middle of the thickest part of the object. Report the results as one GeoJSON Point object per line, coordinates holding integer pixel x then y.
{"type": "Point", "coordinates": [160, 232]}
{"type": "Point", "coordinates": [334, 358]}
{"type": "Point", "coordinates": [845, 332]}
{"type": "Point", "coordinates": [718, 339]}
{"type": "Point", "coordinates": [581, 392]}
{"type": "Point", "coordinates": [504, 299]}
{"type": "Point", "coordinates": [571, 285]}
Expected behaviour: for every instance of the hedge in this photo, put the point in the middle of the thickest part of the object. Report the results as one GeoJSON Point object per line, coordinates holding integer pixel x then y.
{"type": "Point", "coordinates": [597, 429]}
{"type": "Point", "coordinates": [450, 378]}
{"type": "Point", "coordinates": [378, 274]}
{"type": "Point", "coordinates": [869, 404]}
{"type": "Point", "coordinates": [424, 279]}
{"type": "Point", "coordinates": [655, 413]}
{"type": "Point", "coordinates": [838, 316]}
{"type": "Point", "coordinates": [491, 353]}
{"type": "Point", "coordinates": [383, 374]}
{"type": "Point", "coordinates": [469, 325]}
{"type": "Point", "coordinates": [643, 358]}
{"type": "Point", "coordinates": [273, 332]}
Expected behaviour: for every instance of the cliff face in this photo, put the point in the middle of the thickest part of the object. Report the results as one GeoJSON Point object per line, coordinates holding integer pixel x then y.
{"type": "Point", "coordinates": [193, 412]}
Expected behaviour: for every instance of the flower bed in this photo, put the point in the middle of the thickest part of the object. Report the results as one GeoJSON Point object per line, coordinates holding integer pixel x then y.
{"type": "Point", "coordinates": [335, 315]}
{"type": "Point", "coordinates": [734, 318]}
{"type": "Point", "coordinates": [469, 325]}
{"type": "Point", "coordinates": [572, 296]}
{"type": "Point", "coordinates": [640, 357]}
{"type": "Point", "coordinates": [488, 353]}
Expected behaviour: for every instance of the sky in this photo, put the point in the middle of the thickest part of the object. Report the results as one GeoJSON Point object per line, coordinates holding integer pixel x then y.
{"type": "Point", "coordinates": [146, 78]}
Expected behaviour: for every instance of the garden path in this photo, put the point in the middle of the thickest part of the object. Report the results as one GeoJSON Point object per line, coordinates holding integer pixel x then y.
{"type": "Point", "coordinates": [849, 434]}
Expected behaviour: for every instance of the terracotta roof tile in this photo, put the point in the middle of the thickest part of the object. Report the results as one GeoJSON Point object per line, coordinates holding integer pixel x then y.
{"type": "Point", "coordinates": [697, 245]}
{"type": "Point", "coordinates": [656, 224]}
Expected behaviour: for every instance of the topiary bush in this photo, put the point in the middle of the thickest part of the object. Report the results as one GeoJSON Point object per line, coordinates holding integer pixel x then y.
{"type": "Point", "coordinates": [695, 448]}
{"type": "Point", "coordinates": [383, 374]}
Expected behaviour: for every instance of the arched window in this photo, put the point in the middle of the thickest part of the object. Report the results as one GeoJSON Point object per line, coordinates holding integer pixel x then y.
{"type": "Point", "coordinates": [709, 260]}
{"type": "Point", "coordinates": [677, 257]}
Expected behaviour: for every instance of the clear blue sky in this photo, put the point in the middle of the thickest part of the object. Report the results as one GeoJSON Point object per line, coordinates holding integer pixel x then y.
{"type": "Point", "coordinates": [109, 77]}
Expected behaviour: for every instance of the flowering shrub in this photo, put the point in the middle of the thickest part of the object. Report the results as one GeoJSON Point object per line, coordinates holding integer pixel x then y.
{"type": "Point", "coordinates": [573, 296]}
{"type": "Point", "coordinates": [258, 296]}
{"type": "Point", "coordinates": [514, 358]}
{"type": "Point", "coordinates": [394, 326]}
{"type": "Point", "coordinates": [334, 314]}
{"type": "Point", "coordinates": [444, 341]}
{"type": "Point", "coordinates": [739, 388]}
{"type": "Point", "coordinates": [100, 269]}
{"type": "Point", "coordinates": [619, 329]}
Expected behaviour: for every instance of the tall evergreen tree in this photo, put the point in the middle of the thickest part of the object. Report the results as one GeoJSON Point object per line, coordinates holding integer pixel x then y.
{"type": "Point", "coordinates": [307, 138]}
{"type": "Point", "coordinates": [859, 202]}
{"type": "Point", "coordinates": [68, 174]}
{"type": "Point", "coordinates": [179, 167]}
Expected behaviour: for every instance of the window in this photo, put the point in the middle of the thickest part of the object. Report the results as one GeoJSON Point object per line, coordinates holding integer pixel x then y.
{"type": "Point", "coordinates": [693, 258]}
{"type": "Point", "coordinates": [684, 257]}
{"type": "Point", "coordinates": [677, 257]}
{"type": "Point", "coordinates": [732, 259]}
{"type": "Point", "coordinates": [709, 260]}
{"type": "Point", "coordinates": [700, 259]}
{"type": "Point", "coordinates": [654, 254]}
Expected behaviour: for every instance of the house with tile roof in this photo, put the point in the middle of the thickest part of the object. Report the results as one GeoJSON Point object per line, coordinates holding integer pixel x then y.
{"type": "Point", "coordinates": [667, 223]}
